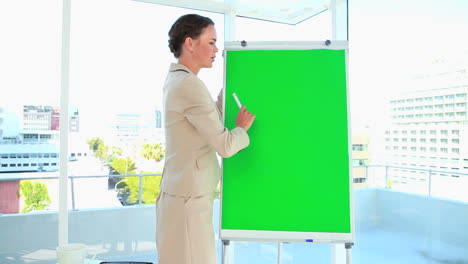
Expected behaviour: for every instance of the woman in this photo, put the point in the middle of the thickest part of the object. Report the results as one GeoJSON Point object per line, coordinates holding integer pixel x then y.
{"type": "Point", "coordinates": [194, 133]}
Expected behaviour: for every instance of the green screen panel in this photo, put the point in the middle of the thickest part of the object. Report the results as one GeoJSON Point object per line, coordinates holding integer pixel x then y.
{"type": "Point", "coordinates": [294, 176]}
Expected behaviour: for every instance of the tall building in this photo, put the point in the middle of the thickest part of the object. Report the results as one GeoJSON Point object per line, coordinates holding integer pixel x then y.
{"type": "Point", "coordinates": [360, 154]}
{"type": "Point", "coordinates": [46, 118]}
{"type": "Point", "coordinates": [138, 127]}
{"type": "Point", "coordinates": [55, 124]}
{"type": "Point", "coordinates": [37, 118]}
{"type": "Point", "coordinates": [29, 138]}
{"type": "Point", "coordinates": [429, 131]}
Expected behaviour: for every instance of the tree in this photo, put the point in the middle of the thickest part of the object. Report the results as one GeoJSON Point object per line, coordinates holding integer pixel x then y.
{"type": "Point", "coordinates": [116, 151]}
{"type": "Point", "coordinates": [97, 145]}
{"type": "Point", "coordinates": [36, 196]}
{"type": "Point", "coordinates": [150, 189]}
{"type": "Point", "coordinates": [94, 143]}
{"type": "Point", "coordinates": [123, 166]}
{"type": "Point", "coordinates": [153, 152]}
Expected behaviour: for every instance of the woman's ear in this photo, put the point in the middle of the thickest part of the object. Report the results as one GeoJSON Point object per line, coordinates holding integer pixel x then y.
{"type": "Point", "coordinates": [188, 44]}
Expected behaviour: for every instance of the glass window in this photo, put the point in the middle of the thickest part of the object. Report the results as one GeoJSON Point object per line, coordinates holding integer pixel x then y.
{"type": "Point", "coordinates": [258, 30]}
{"type": "Point", "coordinates": [359, 147]}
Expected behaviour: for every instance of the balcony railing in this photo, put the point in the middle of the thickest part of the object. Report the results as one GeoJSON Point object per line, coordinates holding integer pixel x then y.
{"type": "Point", "coordinates": [381, 176]}
{"type": "Point", "coordinates": [421, 228]}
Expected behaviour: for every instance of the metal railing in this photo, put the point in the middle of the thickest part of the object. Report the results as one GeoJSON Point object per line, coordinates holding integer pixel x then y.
{"type": "Point", "coordinates": [430, 174]}
{"type": "Point", "coordinates": [73, 177]}
{"type": "Point", "coordinates": [385, 184]}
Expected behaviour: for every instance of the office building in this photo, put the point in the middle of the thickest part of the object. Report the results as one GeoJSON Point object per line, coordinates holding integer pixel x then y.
{"type": "Point", "coordinates": [428, 137]}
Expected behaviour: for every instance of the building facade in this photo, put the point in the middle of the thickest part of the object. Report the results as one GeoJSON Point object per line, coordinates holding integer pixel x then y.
{"type": "Point", "coordinates": [428, 138]}
{"type": "Point", "coordinates": [29, 139]}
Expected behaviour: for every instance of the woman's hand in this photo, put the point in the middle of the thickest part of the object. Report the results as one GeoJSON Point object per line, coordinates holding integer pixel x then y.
{"type": "Point", "coordinates": [244, 119]}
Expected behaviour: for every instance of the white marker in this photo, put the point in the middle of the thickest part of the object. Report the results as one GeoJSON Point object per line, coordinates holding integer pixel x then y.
{"type": "Point", "coordinates": [237, 100]}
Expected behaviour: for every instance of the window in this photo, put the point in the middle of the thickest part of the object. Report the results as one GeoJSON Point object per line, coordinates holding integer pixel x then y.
{"type": "Point", "coordinates": [433, 140]}
{"type": "Point", "coordinates": [359, 180]}
{"type": "Point", "coordinates": [444, 140]}
{"type": "Point", "coordinates": [444, 132]}
{"type": "Point", "coordinates": [456, 150]}
{"type": "Point", "coordinates": [360, 162]}
{"type": "Point", "coordinates": [359, 147]}
{"type": "Point", "coordinates": [422, 140]}
{"type": "Point", "coordinates": [455, 141]}
{"type": "Point", "coordinates": [455, 132]}
{"type": "Point", "coordinates": [433, 149]}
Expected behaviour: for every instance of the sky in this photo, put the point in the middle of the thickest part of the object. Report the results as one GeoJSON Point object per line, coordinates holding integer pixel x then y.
{"type": "Point", "coordinates": [119, 55]}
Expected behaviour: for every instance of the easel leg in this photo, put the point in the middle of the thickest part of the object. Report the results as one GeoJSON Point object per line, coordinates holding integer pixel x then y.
{"type": "Point", "coordinates": [225, 253]}
{"type": "Point", "coordinates": [279, 252]}
{"type": "Point", "coordinates": [348, 252]}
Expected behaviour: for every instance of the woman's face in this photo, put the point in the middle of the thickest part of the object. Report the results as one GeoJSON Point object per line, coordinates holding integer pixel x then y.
{"type": "Point", "coordinates": [204, 47]}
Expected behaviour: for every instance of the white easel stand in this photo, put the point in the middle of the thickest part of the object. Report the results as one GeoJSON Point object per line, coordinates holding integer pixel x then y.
{"type": "Point", "coordinates": [338, 255]}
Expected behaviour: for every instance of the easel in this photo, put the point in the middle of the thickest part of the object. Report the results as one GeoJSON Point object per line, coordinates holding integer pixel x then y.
{"type": "Point", "coordinates": [226, 244]}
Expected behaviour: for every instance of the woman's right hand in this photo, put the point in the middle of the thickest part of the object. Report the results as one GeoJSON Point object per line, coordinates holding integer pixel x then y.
{"type": "Point", "coordinates": [244, 119]}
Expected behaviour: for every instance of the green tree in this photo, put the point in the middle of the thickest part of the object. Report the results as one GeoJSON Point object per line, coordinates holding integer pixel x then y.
{"type": "Point", "coordinates": [150, 189]}
{"type": "Point", "coordinates": [122, 166]}
{"type": "Point", "coordinates": [116, 151]}
{"type": "Point", "coordinates": [100, 150]}
{"type": "Point", "coordinates": [153, 152]}
{"type": "Point", "coordinates": [36, 196]}
{"type": "Point", "coordinates": [94, 143]}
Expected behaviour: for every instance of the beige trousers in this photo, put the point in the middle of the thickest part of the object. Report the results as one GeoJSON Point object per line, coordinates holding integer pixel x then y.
{"type": "Point", "coordinates": [184, 230]}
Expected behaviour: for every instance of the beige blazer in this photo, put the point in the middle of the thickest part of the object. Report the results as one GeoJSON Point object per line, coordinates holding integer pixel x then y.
{"type": "Point", "coordinates": [194, 132]}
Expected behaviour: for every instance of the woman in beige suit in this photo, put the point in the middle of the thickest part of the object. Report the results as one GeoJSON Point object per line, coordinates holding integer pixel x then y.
{"type": "Point", "coordinates": [194, 134]}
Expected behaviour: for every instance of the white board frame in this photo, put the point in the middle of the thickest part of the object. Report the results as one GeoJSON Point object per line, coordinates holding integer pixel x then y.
{"type": "Point", "coordinates": [288, 236]}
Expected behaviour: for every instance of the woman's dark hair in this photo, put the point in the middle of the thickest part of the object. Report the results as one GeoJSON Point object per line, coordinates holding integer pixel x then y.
{"type": "Point", "coordinates": [190, 25]}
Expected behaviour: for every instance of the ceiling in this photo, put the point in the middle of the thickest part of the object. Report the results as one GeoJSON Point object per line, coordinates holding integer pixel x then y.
{"type": "Point", "coordinates": [280, 11]}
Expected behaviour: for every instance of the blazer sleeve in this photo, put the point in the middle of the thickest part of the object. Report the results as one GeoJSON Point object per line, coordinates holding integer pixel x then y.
{"type": "Point", "coordinates": [219, 102]}
{"type": "Point", "coordinates": [200, 110]}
